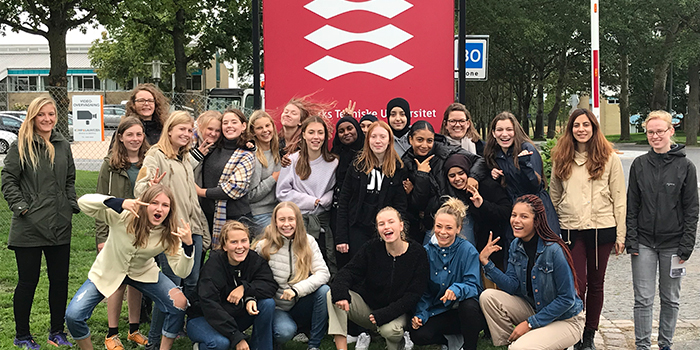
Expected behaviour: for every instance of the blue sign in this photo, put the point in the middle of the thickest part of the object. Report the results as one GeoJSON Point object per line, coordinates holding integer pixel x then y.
{"type": "Point", "coordinates": [474, 58]}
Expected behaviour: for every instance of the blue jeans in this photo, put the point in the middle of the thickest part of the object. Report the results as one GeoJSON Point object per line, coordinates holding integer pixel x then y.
{"type": "Point", "coordinates": [199, 330]}
{"type": "Point", "coordinates": [644, 267]}
{"type": "Point", "coordinates": [87, 297]}
{"type": "Point", "coordinates": [260, 221]}
{"type": "Point", "coordinates": [189, 286]}
{"type": "Point", "coordinates": [310, 311]}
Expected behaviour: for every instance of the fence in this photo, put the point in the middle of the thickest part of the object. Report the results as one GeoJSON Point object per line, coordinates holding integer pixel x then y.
{"type": "Point", "coordinates": [88, 156]}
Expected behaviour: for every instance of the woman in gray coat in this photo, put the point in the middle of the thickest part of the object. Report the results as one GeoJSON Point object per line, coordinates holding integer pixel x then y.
{"type": "Point", "coordinates": [38, 183]}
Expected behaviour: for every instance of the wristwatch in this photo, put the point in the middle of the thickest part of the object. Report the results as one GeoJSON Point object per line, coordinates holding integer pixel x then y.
{"type": "Point", "coordinates": [529, 325]}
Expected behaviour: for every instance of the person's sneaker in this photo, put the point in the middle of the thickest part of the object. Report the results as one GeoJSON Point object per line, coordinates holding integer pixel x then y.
{"type": "Point", "coordinates": [363, 341]}
{"type": "Point", "coordinates": [351, 339]}
{"type": "Point", "coordinates": [138, 338]}
{"type": "Point", "coordinates": [27, 343]}
{"type": "Point", "coordinates": [152, 346]}
{"type": "Point", "coordinates": [59, 339]}
{"type": "Point", "coordinates": [113, 343]}
{"type": "Point", "coordinates": [301, 338]}
{"type": "Point", "coordinates": [408, 344]}
{"type": "Point", "coordinates": [666, 348]}
{"type": "Point", "coordinates": [195, 346]}
{"type": "Point", "coordinates": [313, 349]}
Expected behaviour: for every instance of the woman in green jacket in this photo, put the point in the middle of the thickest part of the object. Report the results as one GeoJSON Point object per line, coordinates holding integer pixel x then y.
{"type": "Point", "coordinates": [117, 178]}
{"type": "Point", "coordinates": [38, 183]}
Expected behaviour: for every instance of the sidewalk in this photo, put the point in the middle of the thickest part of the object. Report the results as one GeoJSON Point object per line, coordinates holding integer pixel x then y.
{"type": "Point", "coordinates": [619, 335]}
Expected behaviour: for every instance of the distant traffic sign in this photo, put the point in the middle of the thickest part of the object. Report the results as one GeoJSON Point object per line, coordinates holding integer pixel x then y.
{"type": "Point", "coordinates": [476, 58]}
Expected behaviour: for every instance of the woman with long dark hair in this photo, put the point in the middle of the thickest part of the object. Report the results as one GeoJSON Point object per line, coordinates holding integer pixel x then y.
{"type": "Point", "coordinates": [516, 163]}
{"type": "Point", "coordinates": [117, 178]}
{"type": "Point", "coordinates": [537, 293]}
{"type": "Point", "coordinates": [588, 192]}
{"type": "Point", "coordinates": [38, 183]}
{"type": "Point", "coordinates": [662, 219]}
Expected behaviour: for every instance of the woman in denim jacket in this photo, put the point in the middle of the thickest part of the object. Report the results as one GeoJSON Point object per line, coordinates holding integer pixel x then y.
{"type": "Point", "coordinates": [538, 290]}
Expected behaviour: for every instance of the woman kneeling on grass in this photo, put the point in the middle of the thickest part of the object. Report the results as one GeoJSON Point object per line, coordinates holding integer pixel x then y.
{"type": "Point", "coordinates": [537, 292]}
{"type": "Point", "coordinates": [139, 229]}
{"type": "Point", "coordinates": [234, 291]}
{"type": "Point", "coordinates": [380, 285]}
{"type": "Point", "coordinates": [297, 264]}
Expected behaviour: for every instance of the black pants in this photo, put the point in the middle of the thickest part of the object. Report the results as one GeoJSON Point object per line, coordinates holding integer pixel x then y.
{"type": "Point", "coordinates": [28, 268]}
{"type": "Point", "coordinates": [466, 320]}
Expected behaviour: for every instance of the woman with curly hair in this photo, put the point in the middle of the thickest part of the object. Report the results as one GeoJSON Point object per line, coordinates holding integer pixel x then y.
{"type": "Point", "coordinates": [149, 105]}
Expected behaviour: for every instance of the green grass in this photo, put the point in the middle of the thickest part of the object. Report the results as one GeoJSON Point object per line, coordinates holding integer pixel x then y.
{"type": "Point", "coordinates": [82, 257]}
{"type": "Point", "coordinates": [641, 138]}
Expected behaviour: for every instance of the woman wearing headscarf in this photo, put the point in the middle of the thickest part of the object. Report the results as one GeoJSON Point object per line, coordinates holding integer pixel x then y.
{"type": "Point", "coordinates": [398, 116]}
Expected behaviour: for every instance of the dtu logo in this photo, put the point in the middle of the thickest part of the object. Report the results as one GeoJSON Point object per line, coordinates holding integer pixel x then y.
{"type": "Point", "coordinates": [329, 37]}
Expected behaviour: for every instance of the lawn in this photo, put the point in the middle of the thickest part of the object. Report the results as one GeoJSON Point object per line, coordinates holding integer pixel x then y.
{"type": "Point", "coordinates": [82, 257]}
{"type": "Point", "coordinates": [641, 138]}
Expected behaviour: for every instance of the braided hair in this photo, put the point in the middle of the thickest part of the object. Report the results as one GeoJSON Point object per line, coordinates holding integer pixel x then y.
{"type": "Point", "coordinates": [543, 230]}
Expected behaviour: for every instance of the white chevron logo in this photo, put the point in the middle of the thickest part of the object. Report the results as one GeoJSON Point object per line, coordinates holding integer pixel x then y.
{"type": "Point", "coordinates": [331, 8]}
{"type": "Point", "coordinates": [388, 67]}
{"type": "Point", "coordinates": [329, 37]}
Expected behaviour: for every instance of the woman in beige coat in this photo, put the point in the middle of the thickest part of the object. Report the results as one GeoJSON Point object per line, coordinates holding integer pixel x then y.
{"type": "Point", "coordinates": [588, 191]}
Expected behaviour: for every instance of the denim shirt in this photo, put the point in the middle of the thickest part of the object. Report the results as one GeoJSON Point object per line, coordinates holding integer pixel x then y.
{"type": "Point", "coordinates": [456, 268]}
{"type": "Point", "coordinates": [553, 286]}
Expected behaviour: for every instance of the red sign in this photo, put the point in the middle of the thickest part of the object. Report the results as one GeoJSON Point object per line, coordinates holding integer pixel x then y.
{"type": "Point", "coordinates": [369, 52]}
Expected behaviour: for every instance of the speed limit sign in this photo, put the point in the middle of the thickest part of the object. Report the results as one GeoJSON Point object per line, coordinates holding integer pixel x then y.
{"type": "Point", "coordinates": [476, 57]}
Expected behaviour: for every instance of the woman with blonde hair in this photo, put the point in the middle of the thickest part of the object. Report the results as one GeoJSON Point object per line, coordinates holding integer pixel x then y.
{"type": "Point", "coordinates": [450, 305]}
{"type": "Point", "coordinates": [266, 169]}
{"type": "Point", "coordinates": [167, 163]}
{"type": "Point", "coordinates": [458, 128]}
{"type": "Point", "coordinates": [38, 183]}
{"type": "Point", "coordinates": [206, 133]}
{"type": "Point", "coordinates": [374, 180]}
{"type": "Point", "coordinates": [662, 218]}
{"type": "Point", "coordinates": [117, 178]}
{"type": "Point", "coordinates": [139, 230]}
{"type": "Point", "coordinates": [588, 191]}
{"type": "Point", "coordinates": [297, 264]}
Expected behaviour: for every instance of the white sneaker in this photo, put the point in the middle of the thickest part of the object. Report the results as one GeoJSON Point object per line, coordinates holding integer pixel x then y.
{"type": "Point", "coordinates": [363, 341]}
{"type": "Point", "coordinates": [351, 339]}
{"type": "Point", "coordinates": [444, 347]}
{"type": "Point", "coordinates": [301, 338]}
{"type": "Point", "coordinates": [195, 346]}
{"type": "Point", "coordinates": [408, 344]}
{"type": "Point", "coordinates": [454, 341]}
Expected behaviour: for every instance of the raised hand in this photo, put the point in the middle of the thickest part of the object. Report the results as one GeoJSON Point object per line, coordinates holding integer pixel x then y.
{"type": "Point", "coordinates": [184, 232]}
{"type": "Point", "coordinates": [496, 173]}
{"type": "Point", "coordinates": [156, 179]}
{"type": "Point", "coordinates": [204, 147]}
{"type": "Point", "coordinates": [350, 109]}
{"type": "Point", "coordinates": [477, 199]}
{"type": "Point", "coordinates": [132, 205]}
{"type": "Point", "coordinates": [490, 248]}
{"type": "Point", "coordinates": [424, 166]}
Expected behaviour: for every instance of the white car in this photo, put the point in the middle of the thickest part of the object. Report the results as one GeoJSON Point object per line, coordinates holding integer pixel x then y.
{"type": "Point", "coordinates": [6, 139]}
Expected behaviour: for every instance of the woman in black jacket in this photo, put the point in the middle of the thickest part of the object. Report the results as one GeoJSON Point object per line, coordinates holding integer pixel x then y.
{"type": "Point", "coordinates": [424, 162]}
{"type": "Point", "coordinates": [489, 206]}
{"type": "Point", "coordinates": [381, 283]}
{"type": "Point", "coordinates": [662, 218]}
{"type": "Point", "coordinates": [373, 181]}
{"type": "Point", "coordinates": [235, 288]}
{"type": "Point", "coordinates": [38, 183]}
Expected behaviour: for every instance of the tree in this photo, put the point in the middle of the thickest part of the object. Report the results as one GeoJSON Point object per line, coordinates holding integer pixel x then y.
{"type": "Point", "coordinates": [52, 20]}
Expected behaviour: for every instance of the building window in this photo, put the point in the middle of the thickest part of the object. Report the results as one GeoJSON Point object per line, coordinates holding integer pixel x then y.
{"type": "Point", "coordinates": [194, 82]}
{"type": "Point", "coordinates": [85, 83]}
{"type": "Point", "coordinates": [23, 83]}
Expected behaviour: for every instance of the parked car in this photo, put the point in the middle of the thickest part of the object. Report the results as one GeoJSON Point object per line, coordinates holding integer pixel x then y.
{"type": "Point", "coordinates": [10, 123]}
{"type": "Point", "coordinates": [19, 114]}
{"type": "Point", "coordinates": [6, 139]}
{"type": "Point", "coordinates": [113, 115]}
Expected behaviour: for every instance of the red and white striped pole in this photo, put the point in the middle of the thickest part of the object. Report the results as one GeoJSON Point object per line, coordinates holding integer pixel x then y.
{"type": "Point", "coordinates": [595, 58]}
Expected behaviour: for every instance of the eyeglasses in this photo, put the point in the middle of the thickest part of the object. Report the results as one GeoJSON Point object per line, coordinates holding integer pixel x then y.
{"type": "Point", "coordinates": [657, 133]}
{"type": "Point", "coordinates": [145, 101]}
{"type": "Point", "coordinates": [457, 121]}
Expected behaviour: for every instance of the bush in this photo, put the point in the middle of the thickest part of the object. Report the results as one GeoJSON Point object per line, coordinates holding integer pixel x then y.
{"type": "Point", "coordinates": [547, 157]}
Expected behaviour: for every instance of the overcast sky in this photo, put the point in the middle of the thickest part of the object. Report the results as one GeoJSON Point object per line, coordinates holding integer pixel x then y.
{"type": "Point", "coordinates": [73, 37]}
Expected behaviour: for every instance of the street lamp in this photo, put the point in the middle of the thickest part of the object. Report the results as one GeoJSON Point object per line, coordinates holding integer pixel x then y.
{"type": "Point", "coordinates": [155, 70]}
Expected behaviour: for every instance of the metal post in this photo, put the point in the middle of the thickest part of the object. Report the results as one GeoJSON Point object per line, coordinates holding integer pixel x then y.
{"type": "Point", "coordinates": [257, 103]}
{"type": "Point", "coordinates": [670, 87]}
{"type": "Point", "coordinates": [461, 78]}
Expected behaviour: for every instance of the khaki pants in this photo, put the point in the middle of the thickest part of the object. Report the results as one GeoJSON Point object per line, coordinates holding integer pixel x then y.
{"type": "Point", "coordinates": [504, 311]}
{"type": "Point", "coordinates": [359, 313]}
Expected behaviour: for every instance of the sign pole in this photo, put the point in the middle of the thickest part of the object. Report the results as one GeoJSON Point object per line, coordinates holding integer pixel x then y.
{"type": "Point", "coordinates": [257, 100]}
{"type": "Point", "coordinates": [595, 58]}
{"type": "Point", "coordinates": [461, 58]}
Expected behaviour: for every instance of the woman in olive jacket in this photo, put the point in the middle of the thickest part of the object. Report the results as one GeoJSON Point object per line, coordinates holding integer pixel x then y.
{"type": "Point", "coordinates": [38, 183]}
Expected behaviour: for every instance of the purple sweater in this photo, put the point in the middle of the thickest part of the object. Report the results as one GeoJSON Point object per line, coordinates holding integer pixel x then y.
{"type": "Point", "coordinates": [304, 193]}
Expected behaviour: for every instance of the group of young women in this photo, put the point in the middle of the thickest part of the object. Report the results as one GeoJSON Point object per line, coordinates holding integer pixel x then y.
{"type": "Point", "coordinates": [391, 229]}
